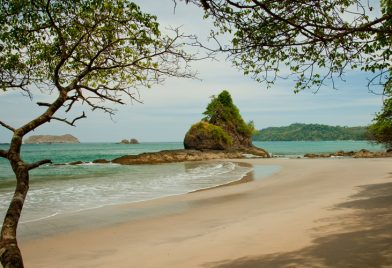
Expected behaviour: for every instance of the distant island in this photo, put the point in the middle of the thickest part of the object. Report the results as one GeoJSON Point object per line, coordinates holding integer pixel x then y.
{"type": "Point", "coordinates": [311, 132]}
{"type": "Point", "coordinates": [131, 141]}
{"type": "Point", "coordinates": [39, 139]}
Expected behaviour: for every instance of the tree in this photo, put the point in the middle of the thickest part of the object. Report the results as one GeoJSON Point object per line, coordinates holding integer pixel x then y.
{"type": "Point", "coordinates": [317, 41]}
{"type": "Point", "coordinates": [82, 51]}
{"type": "Point", "coordinates": [381, 129]}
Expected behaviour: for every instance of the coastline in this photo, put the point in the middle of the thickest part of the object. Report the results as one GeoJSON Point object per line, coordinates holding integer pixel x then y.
{"type": "Point", "coordinates": [222, 227]}
{"type": "Point", "coordinates": [248, 177]}
{"type": "Point", "coordinates": [69, 221]}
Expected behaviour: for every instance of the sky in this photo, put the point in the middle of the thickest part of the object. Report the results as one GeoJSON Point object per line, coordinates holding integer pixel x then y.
{"type": "Point", "coordinates": [168, 110]}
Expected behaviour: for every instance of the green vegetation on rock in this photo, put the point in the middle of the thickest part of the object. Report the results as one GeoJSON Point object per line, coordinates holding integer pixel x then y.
{"type": "Point", "coordinates": [311, 132]}
{"type": "Point", "coordinates": [217, 132]}
{"type": "Point", "coordinates": [204, 135]}
{"type": "Point", "coordinates": [221, 128]}
{"type": "Point", "coordinates": [221, 111]}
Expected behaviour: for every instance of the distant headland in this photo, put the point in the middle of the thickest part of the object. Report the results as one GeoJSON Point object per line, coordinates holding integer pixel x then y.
{"type": "Point", "coordinates": [39, 139]}
{"type": "Point", "coordinates": [311, 132]}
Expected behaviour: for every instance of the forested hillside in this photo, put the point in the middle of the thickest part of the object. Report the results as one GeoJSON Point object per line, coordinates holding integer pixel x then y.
{"type": "Point", "coordinates": [310, 132]}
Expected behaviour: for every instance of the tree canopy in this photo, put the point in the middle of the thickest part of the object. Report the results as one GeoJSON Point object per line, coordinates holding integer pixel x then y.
{"type": "Point", "coordinates": [316, 41]}
{"type": "Point", "coordinates": [381, 129]}
{"type": "Point", "coordinates": [97, 47]}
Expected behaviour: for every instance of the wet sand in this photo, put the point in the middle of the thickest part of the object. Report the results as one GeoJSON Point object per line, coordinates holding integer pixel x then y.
{"type": "Point", "coordinates": [312, 213]}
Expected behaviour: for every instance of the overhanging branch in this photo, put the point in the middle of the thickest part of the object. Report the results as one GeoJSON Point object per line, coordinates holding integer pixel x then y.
{"type": "Point", "coordinates": [39, 163]}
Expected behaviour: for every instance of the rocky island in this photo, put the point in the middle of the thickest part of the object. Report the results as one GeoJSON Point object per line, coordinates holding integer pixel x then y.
{"type": "Point", "coordinates": [221, 134]}
{"type": "Point", "coordinates": [131, 141]}
{"type": "Point", "coordinates": [40, 139]}
{"type": "Point", "coordinates": [222, 128]}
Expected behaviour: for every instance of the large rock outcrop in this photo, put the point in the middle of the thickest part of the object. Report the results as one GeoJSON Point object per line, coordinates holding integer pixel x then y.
{"type": "Point", "coordinates": [38, 139]}
{"type": "Point", "coordinates": [222, 129]}
{"type": "Point", "coordinates": [170, 156]}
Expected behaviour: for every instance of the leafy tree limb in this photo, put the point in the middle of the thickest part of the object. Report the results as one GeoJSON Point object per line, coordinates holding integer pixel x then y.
{"type": "Point", "coordinates": [314, 41]}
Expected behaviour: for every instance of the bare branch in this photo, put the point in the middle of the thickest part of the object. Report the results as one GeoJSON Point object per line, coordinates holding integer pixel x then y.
{"type": "Point", "coordinates": [105, 96]}
{"type": "Point", "coordinates": [39, 163]}
{"type": "Point", "coordinates": [7, 126]}
{"type": "Point", "coordinates": [71, 123]}
{"type": "Point", "coordinates": [43, 104]}
{"type": "Point", "coordinates": [73, 99]}
{"type": "Point", "coordinates": [92, 105]}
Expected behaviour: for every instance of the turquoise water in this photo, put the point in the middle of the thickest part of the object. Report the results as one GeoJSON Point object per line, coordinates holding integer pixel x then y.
{"type": "Point", "coordinates": [61, 189]}
{"type": "Point", "coordinates": [86, 152]}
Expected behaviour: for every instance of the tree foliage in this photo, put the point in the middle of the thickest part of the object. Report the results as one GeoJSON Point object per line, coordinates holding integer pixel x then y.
{"type": "Point", "coordinates": [381, 129]}
{"type": "Point", "coordinates": [91, 47]}
{"type": "Point", "coordinates": [210, 131]}
{"type": "Point", "coordinates": [84, 51]}
{"type": "Point", "coordinates": [221, 111]}
{"type": "Point", "coordinates": [315, 41]}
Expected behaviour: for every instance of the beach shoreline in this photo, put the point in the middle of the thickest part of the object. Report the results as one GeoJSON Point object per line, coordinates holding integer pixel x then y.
{"type": "Point", "coordinates": [244, 225]}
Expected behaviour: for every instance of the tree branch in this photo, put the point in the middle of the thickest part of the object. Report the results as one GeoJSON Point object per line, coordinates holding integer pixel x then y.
{"type": "Point", "coordinates": [4, 153]}
{"type": "Point", "coordinates": [71, 123]}
{"type": "Point", "coordinates": [73, 99]}
{"type": "Point", "coordinates": [7, 126]}
{"type": "Point", "coordinates": [43, 104]}
{"type": "Point", "coordinates": [39, 163]}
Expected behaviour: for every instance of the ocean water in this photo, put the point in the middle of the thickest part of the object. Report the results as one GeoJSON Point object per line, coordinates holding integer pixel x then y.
{"type": "Point", "coordinates": [61, 189]}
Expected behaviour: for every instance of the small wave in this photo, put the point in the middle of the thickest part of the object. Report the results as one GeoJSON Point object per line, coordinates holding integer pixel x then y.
{"type": "Point", "coordinates": [201, 172]}
{"type": "Point", "coordinates": [41, 218]}
{"type": "Point", "coordinates": [73, 163]}
{"type": "Point", "coordinates": [131, 184]}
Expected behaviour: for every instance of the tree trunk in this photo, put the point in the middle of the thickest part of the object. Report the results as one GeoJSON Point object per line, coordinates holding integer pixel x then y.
{"type": "Point", "coordinates": [10, 255]}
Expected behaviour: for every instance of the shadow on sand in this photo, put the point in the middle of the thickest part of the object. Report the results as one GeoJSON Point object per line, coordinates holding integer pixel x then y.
{"type": "Point", "coordinates": [362, 237]}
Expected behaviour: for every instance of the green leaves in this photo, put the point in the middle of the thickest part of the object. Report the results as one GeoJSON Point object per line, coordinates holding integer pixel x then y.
{"type": "Point", "coordinates": [381, 129]}
{"type": "Point", "coordinates": [100, 45]}
{"type": "Point", "coordinates": [222, 112]}
{"type": "Point", "coordinates": [307, 37]}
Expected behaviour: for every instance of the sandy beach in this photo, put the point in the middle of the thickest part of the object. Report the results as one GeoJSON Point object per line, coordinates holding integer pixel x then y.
{"type": "Point", "coordinates": [311, 213]}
